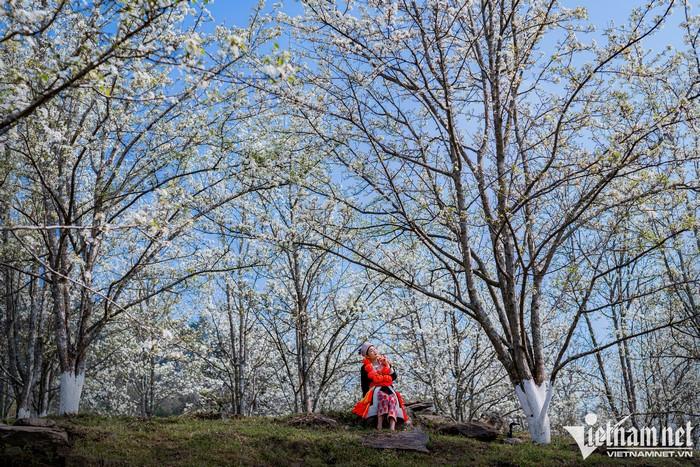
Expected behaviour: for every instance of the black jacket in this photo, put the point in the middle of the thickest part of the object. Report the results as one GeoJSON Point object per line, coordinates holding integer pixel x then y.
{"type": "Point", "coordinates": [364, 378]}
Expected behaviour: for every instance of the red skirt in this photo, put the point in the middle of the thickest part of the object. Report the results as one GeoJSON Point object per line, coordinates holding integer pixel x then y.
{"type": "Point", "coordinates": [376, 403]}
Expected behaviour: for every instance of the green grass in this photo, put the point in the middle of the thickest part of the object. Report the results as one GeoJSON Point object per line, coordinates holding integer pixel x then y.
{"type": "Point", "coordinates": [183, 441]}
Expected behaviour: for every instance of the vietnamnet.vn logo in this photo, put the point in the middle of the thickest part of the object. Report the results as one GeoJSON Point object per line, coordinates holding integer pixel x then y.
{"type": "Point", "coordinates": [632, 442]}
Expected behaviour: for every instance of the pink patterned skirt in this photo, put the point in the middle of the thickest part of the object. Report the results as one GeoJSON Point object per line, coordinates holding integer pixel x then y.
{"type": "Point", "coordinates": [387, 405]}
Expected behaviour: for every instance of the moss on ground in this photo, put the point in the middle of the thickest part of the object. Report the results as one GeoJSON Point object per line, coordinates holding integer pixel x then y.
{"type": "Point", "coordinates": [186, 441]}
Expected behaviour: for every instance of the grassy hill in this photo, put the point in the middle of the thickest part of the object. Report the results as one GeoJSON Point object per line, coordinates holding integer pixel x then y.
{"type": "Point", "coordinates": [187, 441]}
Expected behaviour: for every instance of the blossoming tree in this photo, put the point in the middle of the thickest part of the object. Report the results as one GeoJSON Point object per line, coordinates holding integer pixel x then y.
{"type": "Point", "coordinates": [492, 133]}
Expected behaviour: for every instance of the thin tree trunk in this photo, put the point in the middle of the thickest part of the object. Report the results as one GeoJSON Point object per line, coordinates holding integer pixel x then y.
{"type": "Point", "coordinates": [601, 369]}
{"type": "Point", "coordinates": [623, 355]}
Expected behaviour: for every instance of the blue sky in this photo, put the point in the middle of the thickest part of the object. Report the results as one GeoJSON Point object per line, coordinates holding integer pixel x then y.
{"type": "Point", "coordinates": [600, 12]}
{"type": "Point", "coordinates": [236, 11]}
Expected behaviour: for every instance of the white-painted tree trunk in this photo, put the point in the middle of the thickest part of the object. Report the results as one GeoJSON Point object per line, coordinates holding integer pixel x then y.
{"type": "Point", "coordinates": [71, 389]}
{"type": "Point", "coordinates": [534, 400]}
{"type": "Point", "coordinates": [23, 412]}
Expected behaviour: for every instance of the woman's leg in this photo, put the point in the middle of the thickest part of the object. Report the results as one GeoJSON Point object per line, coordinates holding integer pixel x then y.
{"type": "Point", "coordinates": [392, 404]}
{"type": "Point", "coordinates": [382, 409]}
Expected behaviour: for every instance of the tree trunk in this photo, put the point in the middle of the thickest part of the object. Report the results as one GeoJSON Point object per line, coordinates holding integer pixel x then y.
{"type": "Point", "coordinates": [32, 357]}
{"type": "Point", "coordinates": [150, 400]}
{"type": "Point", "coordinates": [44, 388]}
{"type": "Point", "coordinates": [70, 392]}
{"type": "Point", "coordinates": [241, 363]}
{"type": "Point", "coordinates": [23, 411]}
{"type": "Point", "coordinates": [24, 404]}
{"type": "Point", "coordinates": [534, 400]}
{"type": "Point", "coordinates": [601, 368]}
{"type": "Point", "coordinates": [238, 341]}
{"type": "Point", "coordinates": [3, 399]}
{"type": "Point", "coordinates": [303, 369]}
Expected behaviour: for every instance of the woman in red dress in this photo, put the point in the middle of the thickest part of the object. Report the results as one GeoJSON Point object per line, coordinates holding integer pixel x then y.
{"type": "Point", "coordinates": [380, 399]}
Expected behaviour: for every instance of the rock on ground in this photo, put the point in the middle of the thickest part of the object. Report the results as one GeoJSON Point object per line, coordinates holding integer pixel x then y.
{"type": "Point", "coordinates": [45, 422]}
{"type": "Point", "coordinates": [421, 407]}
{"type": "Point", "coordinates": [474, 429]}
{"type": "Point", "coordinates": [38, 445]}
{"type": "Point", "coordinates": [495, 420]}
{"type": "Point", "coordinates": [411, 440]}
